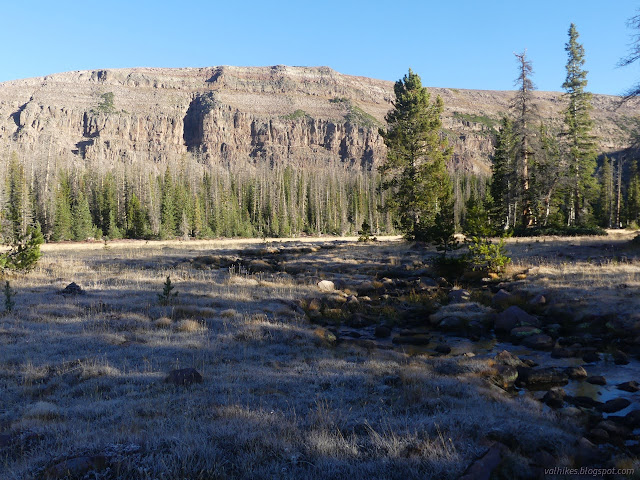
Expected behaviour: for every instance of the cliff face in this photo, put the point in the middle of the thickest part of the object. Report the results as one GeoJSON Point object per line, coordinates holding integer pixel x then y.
{"type": "Point", "coordinates": [234, 114]}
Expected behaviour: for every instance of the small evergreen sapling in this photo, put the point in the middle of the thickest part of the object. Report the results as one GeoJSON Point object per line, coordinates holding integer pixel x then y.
{"type": "Point", "coordinates": [168, 295]}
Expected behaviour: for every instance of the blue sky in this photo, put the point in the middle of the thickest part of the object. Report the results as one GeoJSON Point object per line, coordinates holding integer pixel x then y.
{"type": "Point", "coordinates": [457, 44]}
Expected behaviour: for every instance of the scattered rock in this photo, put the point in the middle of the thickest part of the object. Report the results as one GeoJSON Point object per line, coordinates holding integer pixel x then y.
{"type": "Point", "coordinates": [543, 459]}
{"type": "Point", "coordinates": [614, 405]}
{"type": "Point", "coordinates": [631, 386]}
{"type": "Point", "coordinates": [597, 380]}
{"type": "Point", "coordinates": [443, 349]}
{"type": "Point", "coordinates": [352, 300]}
{"type": "Point", "coordinates": [576, 373]}
{"type": "Point", "coordinates": [591, 357]}
{"type": "Point", "coordinates": [633, 418]}
{"type": "Point", "coordinates": [418, 339]}
{"type": "Point", "coordinates": [538, 342]}
{"type": "Point", "coordinates": [620, 358]}
{"type": "Point", "coordinates": [314, 305]}
{"type": "Point", "coordinates": [505, 375]}
{"type": "Point", "coordinates": [613, 429]}
{"type": "Point", "coordinates": [514, 317]}
{"type": "Point", "coordinates": [183, 376]}
{"type": "Point", "coordinates": [325, 336]}
{"type": "Point", "coordinates": [482, 468]}
{"type": "Point", "coordinates": [75, 467]}
{"type": "Point", "coordinates": [538, 300]}
{"type": "Point", "coordinates": [583, 402]}
{"type": "Point", "coordinates": [520, 333]}
{"type": "Point", "coordinates": [72, 289]}
{"type": "Point", "coordinates": [599, 435]}
{"type": "Point", "coordinates": [554, 397]}
{"type": "Point", "coordinates": [459, 296]}
{"type": "Point", "coordinates": [326, 286]}
{"type": "Point", "coordinates": [543, 376]}
{"type": "Point", "coordinates": [502, 298]}
{"type": "Point", "coordinates": [382, 331]}
{"type": "Point", "coordinates": [507, 358]}
{"type": "Point", "coordinates": [586, 452]}
{"type": "Point", "coordinates": [365, 287]}
{"type": "Point", "coordinates": [452, 323]}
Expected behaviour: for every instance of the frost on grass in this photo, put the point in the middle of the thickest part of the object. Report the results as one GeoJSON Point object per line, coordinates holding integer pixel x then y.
{"type": "Point", "coordinates": [84, 377]}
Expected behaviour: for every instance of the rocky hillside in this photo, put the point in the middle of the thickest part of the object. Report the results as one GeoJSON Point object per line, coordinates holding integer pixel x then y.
{"type": "Point", "coordinates": [230, 114]}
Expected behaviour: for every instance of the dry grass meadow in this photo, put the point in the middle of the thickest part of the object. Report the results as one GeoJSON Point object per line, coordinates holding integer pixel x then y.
{"type": "Point", "coordinates": [82, 376]}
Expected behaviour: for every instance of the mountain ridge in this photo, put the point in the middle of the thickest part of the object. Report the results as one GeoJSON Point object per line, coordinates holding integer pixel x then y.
{"type": "Point", "coordinates": [228, 114]}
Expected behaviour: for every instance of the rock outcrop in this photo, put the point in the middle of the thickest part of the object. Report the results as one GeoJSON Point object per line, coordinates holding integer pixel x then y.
{"type": "Point", "coordinates": [230, 114]}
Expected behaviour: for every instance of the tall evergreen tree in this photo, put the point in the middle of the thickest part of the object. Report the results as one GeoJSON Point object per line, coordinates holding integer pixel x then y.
{"type": "Point", "coordinates": [415, 169]}
{"type": "Point", "coordinates": [578, 125]}
{"type": "Point", "coordinates": [82, 228]}
{"type": "Point", "coordinates": [19, 211]}
{"type": "Point", "coordinates": [524, 125]}
{"type": "Point", "coordinates": [62, 217]}
{"type": "Point", "coordinates": [503, 176]}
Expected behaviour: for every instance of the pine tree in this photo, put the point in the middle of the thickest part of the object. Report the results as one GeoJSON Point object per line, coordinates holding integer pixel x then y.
{"type": "Point", "coordinates": [82, 228]}
{"type": "Point", "coordinates": [524, 114]}
{"type": "Point", "coordinates": [503, 176]}
{"type": "Point", "coordinates": [415, 169]}
{"type": "Point", "coordinates": [167, 207]}
{"type": "Point", "coordinates": [606, 200]}
{"type": "Point", "coordinates": [62, 218]}
{"type": "Point", "coordinates": [578, 125]}
{"type": "Point", "coordinates": [136, 218]}
{"type": "Point", "coordinates": [19, 211]}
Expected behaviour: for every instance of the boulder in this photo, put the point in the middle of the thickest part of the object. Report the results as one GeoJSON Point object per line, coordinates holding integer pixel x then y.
{"type": "Point", "coordinates": [482, 468]}
{"type": "Point", "coordinates": [614, 405]}
{"type": "Point", "coordinates": [502, 298]}
{"type": "Point", "coordinates": [507, 358]}
{"type": "Point", "coordinates": [382, 331]}
{"type": "Point", "coordinates": [538, 342]}
{"type": "Point", "coordinates": [597, 380]}
{"type": "Point", "coordinates": [459, 296]}
{"type": "Point", "coordinates": [72, 289]}
{"type": "Point", "coordinates": [554, 397]}
{"type": "Point", "coordinates": [505, 375]}
{"type": "Point", "coordinates": [452, 323]}
{"type": "Point", "coordinates": [418, 339]}
{"type": "Point", "coordinates": [326, 286]}
{"type": "Point", "coordinates": [583, 402]}
{"type": "Point", "coordinates": [183, 376]}
{"type": "Point", "coordinates": [443, 349]}
{"type": "Point", "coordinates": [633, 419]}
{"type": "Point", "coordinates": [543, 376]}
{"type": "Point", "coordinates": [520, 333]}
{"type": "Point", "coordinates": [514, 317]}
{"type": "Point", "coordinates": [591, 357]}
{"type": "Point", "coordinates": [576, 373]}
{"type": "Point", "coordinates": [538, 300]}
{"type": "Point", "coordinates": [630, 386]}
{"type": "Point", "coordinates": [613, 428]}
{"type": "Point", "coordinates": [620, 358]}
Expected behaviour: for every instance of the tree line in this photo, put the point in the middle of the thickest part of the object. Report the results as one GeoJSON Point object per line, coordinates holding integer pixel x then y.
{"type": "Point", "coordinates": [191, 200]}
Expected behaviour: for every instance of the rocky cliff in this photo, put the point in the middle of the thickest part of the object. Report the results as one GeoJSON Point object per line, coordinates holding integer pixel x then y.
{"type": "Point", "coordinates": [231, 114]}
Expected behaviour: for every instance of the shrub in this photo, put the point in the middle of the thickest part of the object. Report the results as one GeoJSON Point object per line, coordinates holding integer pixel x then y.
{"type": "Point", "coordinates": [24, 253]}
{"type": "Point", "coordinates": [484, 254]}
{"type": "Point", "coordinates": [365, 233]}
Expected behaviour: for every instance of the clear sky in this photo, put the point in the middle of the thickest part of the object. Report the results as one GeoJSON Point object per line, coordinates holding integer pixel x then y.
{"type": "Point", "coordinates": [449, 43]}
